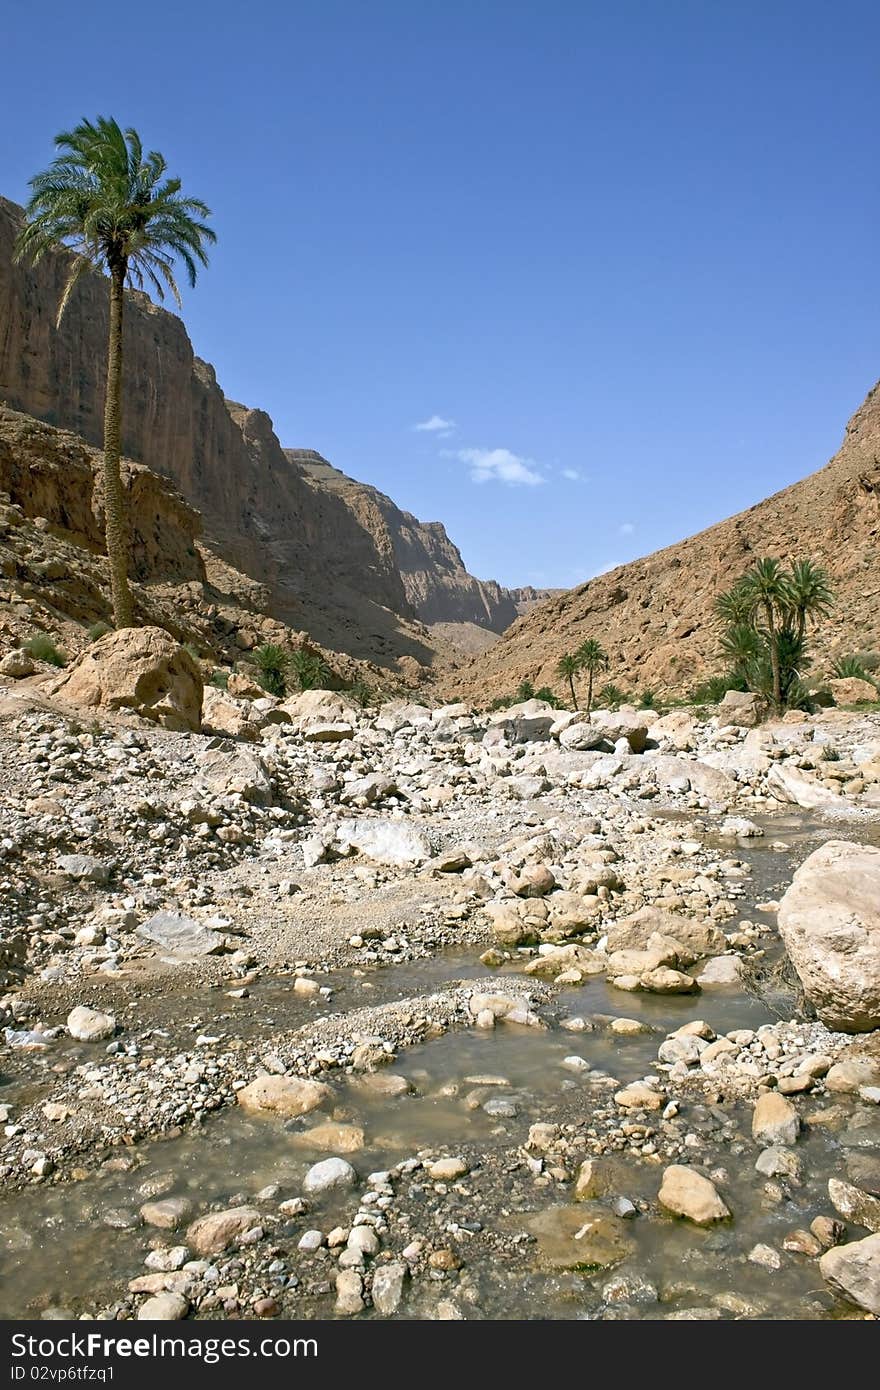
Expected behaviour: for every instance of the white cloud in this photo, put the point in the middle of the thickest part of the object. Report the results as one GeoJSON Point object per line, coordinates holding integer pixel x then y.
{"type": "Point", "coordinates": [435, 425]}
{"type": "Point", "coordinates": [571, 474]}
{"type": "Point", "coordinates": [625, 529]}
{"type": "Point", "coordinates": [501, 466]}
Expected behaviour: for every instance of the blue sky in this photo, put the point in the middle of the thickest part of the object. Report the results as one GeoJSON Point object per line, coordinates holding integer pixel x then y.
{"type": "Point", "coordinates": [626, 251]}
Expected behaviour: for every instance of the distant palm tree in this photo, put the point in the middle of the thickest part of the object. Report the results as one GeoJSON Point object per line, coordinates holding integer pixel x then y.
{"type": "Point", "coordinates": [591, 657]}
{"type": "Point", "coordinates": [768, 587]}
{"type": "Point", "coordinates": [111, 204]}
{"type": "Point", "coordinates": [811, 595]}
{"type": "Point", "coordinates": [566, 669]}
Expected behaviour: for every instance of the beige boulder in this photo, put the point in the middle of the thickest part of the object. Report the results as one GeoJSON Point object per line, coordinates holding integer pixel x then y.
{"type": "Point", "coordinates": [142, 669]}
{"type": "Point", "coordinates": [634, 932]}
{"type": "Point", "coordinates": [211, 1234]}
{"type": "Point", "coordinates": [685, 1192]}
{"type": "Point", "coordinates": [283, 1095]}
{"type": "Point", "coordinates": [829, 919]}
{"type": "Point", "coordinates": [852, 690]}
{"type": "Point", "coordinates": [853, 1270]}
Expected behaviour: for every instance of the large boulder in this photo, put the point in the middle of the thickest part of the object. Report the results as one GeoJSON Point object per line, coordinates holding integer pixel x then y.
{"type": "Point", "coordinates": [141, 669]}
{"type": "Point", "coordinates": [793, 787]}
{"type": "Point", "coordinates": [829, 919]}
{"type": "Point", "coordinates": [181, 936]}
{"type": "Point", "coordinates": [321, 707]}
{"type": "Point", "coordinates": [632, 933]}
{"type": "Point", "coordinates": [854, 1271]}
{"type": "Point", "coordinates": [528, 722]}
{"type": "Point", "coordinates": [852, 690]}
{"type": "Point", "coordinates": [740, 708]}
{"type": "Point", "coordinates": [384, 841]}
{"type": "Point", "coordinates": [288, 1096]}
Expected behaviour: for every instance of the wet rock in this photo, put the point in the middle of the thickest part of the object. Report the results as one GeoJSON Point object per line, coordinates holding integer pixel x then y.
{"type": "Point", "coordinates": [853, 1270]}
{"type": "Point", "coordinates": [168, 1213]}
{"type": "Point", "coordinates": [776, 1162]}
{"type": "Point", "coordinates": [774, 1120]}
{"type": "Point", "coordinates": [90, 1025]}
{"type": "Point", "coordinates": [332, 1137]}
{"type": "Point", "coordinates": [685, 1192]}
{"type": "Point", "coordinates": [593, 1180]}
{"type": "Point", "coordinates": [855, 1205]}
{"type": "Point", "coordinates": [211, 1234]}
{"type": "Point", "coordinates": [579, 1238]}
{"type": "Point", "coordinates": [829, 919]}
{"type": "Point", "coordinates": [327, 1175]}
{"type": "Point", "coordinates": [283, 1095]}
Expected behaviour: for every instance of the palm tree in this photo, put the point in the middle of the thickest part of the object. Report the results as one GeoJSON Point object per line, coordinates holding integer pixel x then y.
{"type": "Point", "coordinates": [591, 657]}
{"type": "Point", "coordinates": [113, 207]}
{"type": "Point", "coordinates": [769, 588]}
{"type": "Point", "coordinates": [810, 593]}
{"type": "Point", "coordinates": [566, 669]}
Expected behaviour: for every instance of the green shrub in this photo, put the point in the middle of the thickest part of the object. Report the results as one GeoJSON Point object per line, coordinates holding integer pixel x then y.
{"type": "Point", "coordinates": [42, 648]}
{"type": "Point", "coordinates": [851, 666]}
{"type": "Point", "coordinates": [713, 690]}
{"type": "Point", "coordinates": [193, 651]}
{"type": "Point", "coordinates": [98, 630]}
{"type": "Point", "coordinates": [219, 679]}
{"type": "Point", "coordinates": [310, 669]}
{"type": "Point", "coordinates": [830, 754]}
{"type": "Point", "coordinates": [611, 696]}
{"type": "Point", "coordinates": [272, 663]}
{"type": "Point", "coordinates": [362, 694]}
{"type": "Point", "coordinates": [648, 699]}
{"type": "Point", "coordinates": [524, 691]}
{"type": "Point", "coordinates": [546, 694]}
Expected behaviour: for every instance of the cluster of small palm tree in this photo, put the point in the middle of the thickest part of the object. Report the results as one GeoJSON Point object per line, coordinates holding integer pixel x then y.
{"type": "Point", "coordinates": [590, 658]}
{"type": "Point", "coordinates": [275, 667]}
{"type": "Point", "coordinates": [765, 617]}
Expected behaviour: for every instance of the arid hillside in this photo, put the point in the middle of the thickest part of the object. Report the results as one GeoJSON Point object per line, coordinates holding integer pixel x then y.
{"type": "Point", "coordinates": [654, 616]}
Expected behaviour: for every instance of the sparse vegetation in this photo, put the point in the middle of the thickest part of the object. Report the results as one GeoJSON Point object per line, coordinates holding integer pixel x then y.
{"type": "Point", "coordinates": [524, 691]}
{"type": "Point", "coordinates": [272, 664]}
{"type": "Point", "coordinates": [310, 669]}
{"type": "Point", "coordinates": [592, 658]}
{"type": "Point", "coordinates": [852, 667]}
{"type": "Point", "coordinates": [567, 668]}
{"type": "Point", "coordinates": [109, 202]}
{"type": "Point", "coordinates": [648, 699]}
{"type": "Point", "coordinates": [765, 617]}
{"type": "Point", "coordinates": [219, 679]}
{"type": "Point", "coordinates": [362, 694]}
{"type": "Point", "coordinates": [546, 694]}
{"type": "Point", "coordinates": [611, 696]}
{"type": "Point", "coordinates": [42, 648]}
{"type": "Point", "coordinates": [98, 630]}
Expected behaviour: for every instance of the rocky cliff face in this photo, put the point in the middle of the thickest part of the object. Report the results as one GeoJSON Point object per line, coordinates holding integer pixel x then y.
{"type": "Point", "coordinates": [654, 616]}
{"type": "Point", "coordinates": [52, 474]}
{"type": "Point", "coordinates": [436, 583]}
{"type": "Point", "coordinates": [331, 559]}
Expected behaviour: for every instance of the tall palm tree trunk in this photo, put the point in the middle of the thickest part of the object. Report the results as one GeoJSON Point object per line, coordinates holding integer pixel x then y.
{"type": "Point", "coordinates": [590, 696]}
{"type": "Point", "coordinates": [571, 687]}
{"type": "Point", "coordinates": [774, 656]}
{"type": "Point", "coordinates": [116, 530]}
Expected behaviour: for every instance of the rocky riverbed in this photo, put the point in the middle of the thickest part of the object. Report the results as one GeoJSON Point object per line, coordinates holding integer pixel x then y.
{"type": "Point", "coordinates": [324, 1011]}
